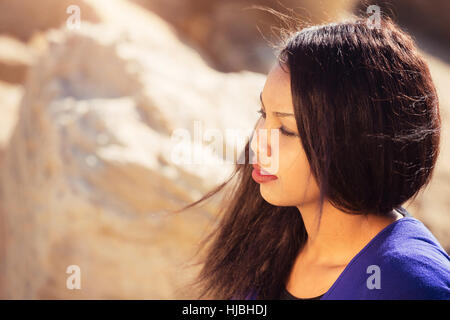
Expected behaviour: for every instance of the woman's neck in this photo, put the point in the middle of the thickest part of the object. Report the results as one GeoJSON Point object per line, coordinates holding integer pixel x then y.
{"type": "Point", "coordinates": [340, 236]}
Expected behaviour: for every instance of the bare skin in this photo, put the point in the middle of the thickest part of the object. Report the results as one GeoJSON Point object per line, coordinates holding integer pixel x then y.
{"type": "Point", "coordinates": [340, 236]}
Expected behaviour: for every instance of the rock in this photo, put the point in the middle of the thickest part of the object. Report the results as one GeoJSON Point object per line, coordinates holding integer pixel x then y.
{"type": "Point", "coordinates": [428, 21]}
{"type": "Point", "coordinates": [15, 59]}
{"type": "Point", "coordinates": [10, 96]}
{"type": "Point", "coordinates": [230, 35]}
{"type": "Point", "coordinates": [88, 178]}
{"type": "Point", "coordinates": [22, 18]}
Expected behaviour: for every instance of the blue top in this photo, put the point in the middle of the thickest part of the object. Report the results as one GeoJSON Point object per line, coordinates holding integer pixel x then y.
{"type": "Point", "coordinates": [403, 261]}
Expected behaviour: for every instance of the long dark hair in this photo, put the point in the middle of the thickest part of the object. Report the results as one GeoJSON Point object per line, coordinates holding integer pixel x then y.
{"type": "Point", "coordinates": [368, 118]}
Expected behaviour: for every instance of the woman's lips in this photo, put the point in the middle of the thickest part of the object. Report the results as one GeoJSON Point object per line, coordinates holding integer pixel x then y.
{"type": "Point", "coordinates": [260, 175]}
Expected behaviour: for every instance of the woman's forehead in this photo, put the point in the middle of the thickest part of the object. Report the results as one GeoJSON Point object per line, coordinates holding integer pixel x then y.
{"type": "Point", "coordinates": [276, 94]}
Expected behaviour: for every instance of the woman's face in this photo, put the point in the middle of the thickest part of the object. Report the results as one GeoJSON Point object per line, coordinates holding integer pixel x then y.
{"type": "Point", "coordinates": [283, 156]}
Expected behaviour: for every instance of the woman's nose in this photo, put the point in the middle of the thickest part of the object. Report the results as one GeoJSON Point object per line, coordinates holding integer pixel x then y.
{"type": "Point", "coordinates": [260, 143]}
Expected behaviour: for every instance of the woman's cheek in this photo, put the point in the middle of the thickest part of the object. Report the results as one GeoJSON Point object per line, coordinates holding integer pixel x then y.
{"type": "Point", "coordinates": [289, 154]}
{"type": "Point", "coordinates": [293, 169]}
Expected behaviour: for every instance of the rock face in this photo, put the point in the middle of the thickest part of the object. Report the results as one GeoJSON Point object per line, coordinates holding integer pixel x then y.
{"type": "Point", "coordinates": [88, 179]}
{"type": "Point", "coordinates": [15, 59]}
{"type": "Point", "coordinates": [426, 20]}
{"type": "Point", "coordinates": [230, 34]}
{"type": "Point", "coordinates": [22, 18]}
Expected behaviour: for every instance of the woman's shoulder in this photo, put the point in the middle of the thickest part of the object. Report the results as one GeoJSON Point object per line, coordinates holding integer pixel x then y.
{"type": "Point", "coordinates": [404, 261]}
{"type": "Point", "coordinates": [408, 239]}
{"type": "Point", "coordinates": [411, 262]}
{"type": "Point", "coordinates": [413, 259]}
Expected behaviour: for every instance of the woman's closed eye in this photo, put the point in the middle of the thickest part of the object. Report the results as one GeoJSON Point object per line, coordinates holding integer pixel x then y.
{"type": "Point", "coordinates": [282, 129]}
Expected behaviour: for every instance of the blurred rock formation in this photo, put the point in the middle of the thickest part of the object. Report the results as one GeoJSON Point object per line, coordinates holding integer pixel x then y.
{"type": "Point", "coordinates": [87, 177]}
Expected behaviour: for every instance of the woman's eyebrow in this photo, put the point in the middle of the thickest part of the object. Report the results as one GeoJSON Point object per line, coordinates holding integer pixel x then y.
{"type": "Point", "coordinates": [280, 114]}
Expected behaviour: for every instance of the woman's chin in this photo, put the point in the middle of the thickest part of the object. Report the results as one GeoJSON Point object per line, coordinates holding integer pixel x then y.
{"type": "Point", "coordinates": [271, 194]}
{"type": "Point", "coordinates": [268, 193]}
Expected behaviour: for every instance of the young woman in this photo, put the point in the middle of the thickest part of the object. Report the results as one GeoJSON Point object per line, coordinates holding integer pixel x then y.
{"type": "Point", "coordinates": [359, 129]}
